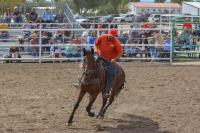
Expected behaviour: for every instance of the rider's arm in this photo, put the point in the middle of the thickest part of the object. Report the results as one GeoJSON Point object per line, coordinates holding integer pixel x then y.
{"type": "Point", "coordinates": [97, 43]}
{"type": "Point", "coordinates": [118, 49]}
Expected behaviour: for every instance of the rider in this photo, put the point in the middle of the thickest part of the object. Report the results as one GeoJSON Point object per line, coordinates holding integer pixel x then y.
{"type": "Point", "coordinates": [108, 49]}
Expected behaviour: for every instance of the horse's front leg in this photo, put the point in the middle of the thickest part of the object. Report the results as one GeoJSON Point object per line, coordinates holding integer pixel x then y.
{"type": "Point", "coordinates": [80, 97]}
{"type": "Point", "coordinates": [92, 100]}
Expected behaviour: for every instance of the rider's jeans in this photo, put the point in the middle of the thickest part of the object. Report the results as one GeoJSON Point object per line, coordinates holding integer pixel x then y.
{"type": "Point", "coordinates": [110, 75]}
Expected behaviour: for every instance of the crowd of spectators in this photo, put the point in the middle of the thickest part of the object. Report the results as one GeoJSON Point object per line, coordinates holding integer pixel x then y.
{"type": "Point", "coordinates": [15, 16]}
{"type": "Point", "coordinates": [140, 41]}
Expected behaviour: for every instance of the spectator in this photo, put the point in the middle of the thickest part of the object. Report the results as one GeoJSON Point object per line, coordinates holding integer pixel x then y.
{"type": "Point", "coordinates": [32, 16]}
{"type": "Point", "coordinates": [16, 15]}
{"type": "Point", "coordinates": [34, 42]}
{"type": "Point", "coordinates": [74, 51]}
{"type": "Point", "coordinates": [156, 39]}
{"type": "Point", "coordinates": [91, 39]}
{"type": "Point", "coordinates": [135, 36]}
{"type": "Point", "coordinates": [55, 51]}
{"type": "Point", "coordinates": [27, 26]}
{"type": "Point", "coordinates": [113, 24]}
{"type": "Point", "coordinates": [60, 17]}
{"type": "Point", "coordinates": [153, 51]}
{"type": "Point", "coordinates": [166, 48]}
{"type": "Point", "coordinates": [13, 53]}
{"type": "Point", "coordinates": [67, 33]}
{"type": "Point", "coordinates": [46, 40]}
{"type": "Point", "coordinates": [187, 24]}
{"type": "Point", "coordinates": [47, 16]}
{"type": "Point", "coordinates": [59, 36]}
{"type": "Point", "coordinates": [76, 39]}
{"type": "Point", "coordinates": [7, 16]}
{"type": "Point", "coordinates": [123, 38]}
{"type": "Point", "coordinates": [184, 39]}
{"type": "Point", "coordinates": [142, 49]}
{"type": "Point", "coordinates": [133, 39]}
{"type": "Point", "coordinates": [84, 38]}
{"type": "Point", "coordinates": [21, 42]}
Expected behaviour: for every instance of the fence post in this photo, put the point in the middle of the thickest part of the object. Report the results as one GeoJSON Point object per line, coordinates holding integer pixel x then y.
{"type": "Point", "coordinates": [40, 44]}
{"type": "Point", "coordinates": [171, 42]}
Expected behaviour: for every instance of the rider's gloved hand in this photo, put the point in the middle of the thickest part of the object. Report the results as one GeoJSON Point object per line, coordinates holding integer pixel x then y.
{"type": "Point", "coordinates": [113, 61]}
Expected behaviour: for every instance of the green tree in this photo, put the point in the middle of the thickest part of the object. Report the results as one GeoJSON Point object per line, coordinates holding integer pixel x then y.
{"type": "Point", "coordinates": [160, 1]}
{"type": "Point", "coordinates": [122, 7]}
{"type": "Point", "coordinates": [180, 1]}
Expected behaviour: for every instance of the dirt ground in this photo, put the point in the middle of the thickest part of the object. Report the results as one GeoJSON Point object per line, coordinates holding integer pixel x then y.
{"type": "Point", "coordinates": [157, 98]}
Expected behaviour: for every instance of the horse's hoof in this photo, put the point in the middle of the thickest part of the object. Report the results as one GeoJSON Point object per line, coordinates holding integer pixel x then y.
{"type": "Point", "coordinates": [97, 116]}
{"type": "Point", "coordinates": [91, 114]}
{"type": "Point", "coordinates": [69, 124]}
{"type": "Point", "coordinates": [100, 116]}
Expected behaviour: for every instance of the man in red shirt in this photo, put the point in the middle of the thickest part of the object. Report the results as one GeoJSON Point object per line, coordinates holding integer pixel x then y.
{"type": "Point", "coordinates": [187, 24]}
{"type": "Point", "coordinates": [108, 49]}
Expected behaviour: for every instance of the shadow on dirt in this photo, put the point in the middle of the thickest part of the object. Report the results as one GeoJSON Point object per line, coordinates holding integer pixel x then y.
{"type": "Point", "coordinates": [131, 124]}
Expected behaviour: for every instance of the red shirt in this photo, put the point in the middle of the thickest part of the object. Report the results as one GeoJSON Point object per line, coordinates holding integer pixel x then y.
{"type": "Point", "coordinates": [108, 49]}
{"type": "Point", "coordinates": [188, 26]}
{"type": "Point", "coordinates": [146, 25]}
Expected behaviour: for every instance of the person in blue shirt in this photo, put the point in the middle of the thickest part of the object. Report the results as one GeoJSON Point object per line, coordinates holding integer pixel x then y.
{"type": "Point", "coordinates": [91, 39]}
{"type": "Point", "coordinates": [47, 16]}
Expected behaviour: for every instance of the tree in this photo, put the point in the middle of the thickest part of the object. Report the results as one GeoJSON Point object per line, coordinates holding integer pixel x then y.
{"type": "Point", "coordinates": [83, 6]}
{"type": "Point", "coordinates": [4, 4]}
{"type": "Point", "coordinates": [180, 1]}
{"type": "Point", "coordinates": [122, 7]}
{"type": "Point", "coordinates": [160, 1]}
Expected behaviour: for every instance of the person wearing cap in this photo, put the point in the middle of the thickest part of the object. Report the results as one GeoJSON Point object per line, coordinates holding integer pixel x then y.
{"type": "Point", "coordinates": [109, 49]}
{"type": "Point", "coordinates": [187, 24]}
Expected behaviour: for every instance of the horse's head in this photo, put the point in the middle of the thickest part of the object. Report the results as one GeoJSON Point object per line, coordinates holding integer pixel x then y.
{"type": "Point", "coordinates": [89, 62]}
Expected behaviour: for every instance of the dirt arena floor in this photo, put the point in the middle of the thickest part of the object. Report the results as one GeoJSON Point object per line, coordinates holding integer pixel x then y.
{"type": "Point", "coordinates": [157, 98]}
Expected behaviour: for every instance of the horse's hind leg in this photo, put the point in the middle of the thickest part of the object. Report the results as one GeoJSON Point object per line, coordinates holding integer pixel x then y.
{"type": "Point", "coordinates": [92, 100]}
{"type": "Point", "coordinates": [100, 114]}
{"type": "Point", "coordinates": [111, 99]}
{"type": "Point", "coordinates": [80, 97]}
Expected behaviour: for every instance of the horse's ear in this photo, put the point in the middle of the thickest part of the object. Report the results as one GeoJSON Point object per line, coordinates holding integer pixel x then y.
{"type": "Point", "coordinates": [92, 50]}
{"type": "Point", "coordinates": [84, 52]}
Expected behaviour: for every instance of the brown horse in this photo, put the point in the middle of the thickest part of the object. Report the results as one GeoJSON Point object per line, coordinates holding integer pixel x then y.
{"type": "Point", "coordinates": [93, 81]}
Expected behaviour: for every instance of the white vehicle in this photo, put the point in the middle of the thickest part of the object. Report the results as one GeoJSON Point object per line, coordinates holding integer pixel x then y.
{"type": "Point", "coordinates": [153, 18]}
{"type": "Point", "coordinates": [81, 19]}
{"type": "Point", "coordinates": [124, 18]}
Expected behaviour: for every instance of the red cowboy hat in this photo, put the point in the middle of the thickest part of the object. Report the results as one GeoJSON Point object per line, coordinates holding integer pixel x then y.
{"type": "Point", "coordinates": [112, 32]}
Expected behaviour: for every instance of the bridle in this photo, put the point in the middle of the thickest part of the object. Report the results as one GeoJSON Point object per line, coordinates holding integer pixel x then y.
{"type": "Point", "coordinates": [90, 66]}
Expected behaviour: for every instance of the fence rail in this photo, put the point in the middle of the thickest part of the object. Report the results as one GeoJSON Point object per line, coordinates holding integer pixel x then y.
{"type": "Point", "coordinates": [42, 51]}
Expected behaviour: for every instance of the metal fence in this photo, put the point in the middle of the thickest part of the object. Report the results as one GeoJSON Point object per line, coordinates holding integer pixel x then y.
{"type": "Point", "coordinates": [14, 37]}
